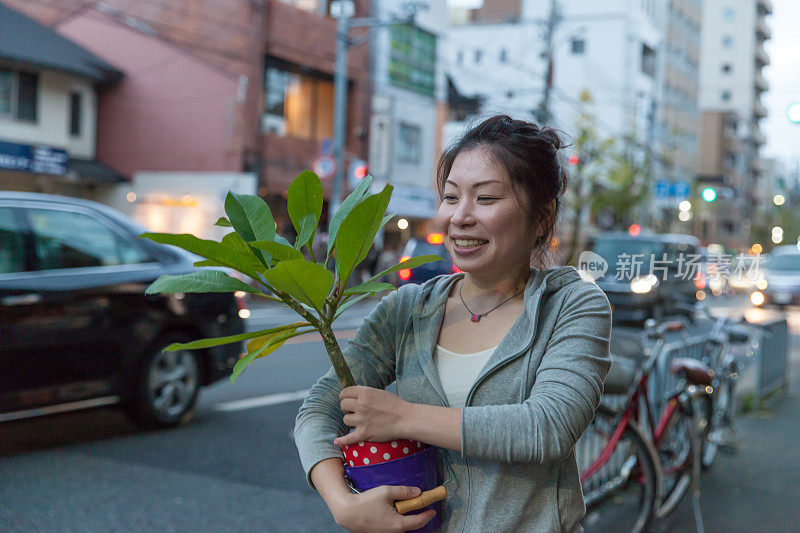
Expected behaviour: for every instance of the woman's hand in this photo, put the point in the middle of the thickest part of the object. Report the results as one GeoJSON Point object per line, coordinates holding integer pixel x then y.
{"type": "Point", "coordinates": [375, 414]}
{"type": "Point", "coordinates": [373, 510]}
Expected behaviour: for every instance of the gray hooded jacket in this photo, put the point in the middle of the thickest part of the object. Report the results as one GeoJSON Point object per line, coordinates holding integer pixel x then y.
{"type": "Point", "coordinates": [530, 403]}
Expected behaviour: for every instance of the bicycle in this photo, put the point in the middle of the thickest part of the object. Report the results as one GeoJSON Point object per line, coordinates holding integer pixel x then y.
{"type": "Point", "coordinates": [719, 409]}
{"type": "Point", "coordinates": [637, 471]}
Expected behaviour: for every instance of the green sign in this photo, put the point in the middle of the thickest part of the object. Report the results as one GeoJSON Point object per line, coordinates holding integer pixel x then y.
{"type": "Point", "coordinates": [412, 64]}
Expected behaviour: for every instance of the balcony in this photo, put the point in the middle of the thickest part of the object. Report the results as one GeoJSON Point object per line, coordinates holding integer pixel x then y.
{"type": "Point", "coordinates": [763, 33]}
{"type": "Point", "coordinates": [759, 139]}
{"type": "Point", "coordinates": [761, 83]}
{"type": "Point", "coordinates": [759, 111]}
{"type": "Point", "coordinates": [764, 7]}
{"type": "Point", "coordinates": [762, 58]}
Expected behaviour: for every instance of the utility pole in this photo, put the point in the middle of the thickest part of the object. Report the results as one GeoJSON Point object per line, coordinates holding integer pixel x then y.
{"type": "Point", "coordinates": [343, 43]}
{"type": "Point", "coordinates": [552, 22]}
{"type": "Point", "coordinates": [343, 11]}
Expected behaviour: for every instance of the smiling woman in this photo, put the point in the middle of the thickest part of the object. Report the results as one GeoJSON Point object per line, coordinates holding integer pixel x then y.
{"type": "Point", "coordinates": [499, 366]}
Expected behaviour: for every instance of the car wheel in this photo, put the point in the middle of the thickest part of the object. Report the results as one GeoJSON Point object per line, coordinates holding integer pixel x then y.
{"type": "Point", "coordinates": [166, 386]}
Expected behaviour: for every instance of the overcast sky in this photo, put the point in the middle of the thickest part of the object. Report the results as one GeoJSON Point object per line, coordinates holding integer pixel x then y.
{"type": "Point", "coordinates": [783, 75]}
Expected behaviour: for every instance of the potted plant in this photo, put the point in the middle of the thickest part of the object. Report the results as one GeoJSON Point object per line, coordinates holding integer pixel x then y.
{"type": "Point", "coordinates": [315, 288]}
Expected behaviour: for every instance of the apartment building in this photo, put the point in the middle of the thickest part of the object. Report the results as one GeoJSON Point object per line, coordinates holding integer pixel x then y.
{"type": "Point", "coordinates": [732, 83]}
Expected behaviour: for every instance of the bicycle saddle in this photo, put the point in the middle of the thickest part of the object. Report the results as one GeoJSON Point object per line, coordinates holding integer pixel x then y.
{"type": "Point", "coordinates": [696, 372]}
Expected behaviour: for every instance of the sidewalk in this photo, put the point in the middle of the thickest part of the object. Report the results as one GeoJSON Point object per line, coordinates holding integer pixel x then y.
{"type": "Point", "coordinates": [758, 489]}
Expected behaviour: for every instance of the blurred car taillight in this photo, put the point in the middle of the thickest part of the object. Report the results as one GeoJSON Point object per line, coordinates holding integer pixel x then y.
{"type": "Point", "coordinates": [405, 273]}
{"type": "Point", "coordinates": [700, 281]}
{"type": "Point", "coordinates": [435, 238]}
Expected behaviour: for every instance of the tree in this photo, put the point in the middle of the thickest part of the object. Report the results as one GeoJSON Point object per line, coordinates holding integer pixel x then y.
{"type": "Point", "coordinates": [588, 165]}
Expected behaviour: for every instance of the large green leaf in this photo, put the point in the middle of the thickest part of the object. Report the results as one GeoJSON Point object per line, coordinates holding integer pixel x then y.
{"type": "Point", "coordinates": [305, 281]}
{"type": "Point", "coordinates": [279, 252]}
{"type": "Point", "coordinates": [308, 225]}
{"type": "Point", "coordinates": [266, 345]}
{"type": "Point", "coordinates": [357, 232]}
{"type": "Point", "coordinates": [411, 263]}
{"type": "Point", "coordinates": [370, 286]}
{"type": "Point", "coordinates": [219, 341]}
{"type": "Point", "coordinates": [224, 255]}
{"type": "Point", "coordinates": [250, 217]}
{"type": "Point", "coordinates": [256, 257]}
{"type": "Point", "coordinates": [304, 203]}
{"type": "Point", "coordinates": [203, 281]}
{"type": "Point", "coordinates": [349, 203]}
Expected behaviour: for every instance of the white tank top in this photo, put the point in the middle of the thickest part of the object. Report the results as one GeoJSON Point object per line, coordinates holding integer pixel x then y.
{"type": "Point", "coordinates": [458, 371]}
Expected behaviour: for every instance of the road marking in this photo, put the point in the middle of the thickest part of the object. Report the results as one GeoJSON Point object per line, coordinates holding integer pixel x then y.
{"type": "Point", "coordinates": [261, 401]}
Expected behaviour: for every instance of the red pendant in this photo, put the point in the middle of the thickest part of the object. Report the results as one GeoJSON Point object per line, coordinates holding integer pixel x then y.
{"type": "Point", "coordinates": [475, 317]}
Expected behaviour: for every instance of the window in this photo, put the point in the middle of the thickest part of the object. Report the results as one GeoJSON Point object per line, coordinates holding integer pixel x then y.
{"type": "Point", "coordinates": [727, 68]}
{"type": "Point", "coordinates": [297, 105]}
{"type": "Point", "coordinates": [648, 60]}
{"type": "Point", "coordinates": [75, 114]}
{"type": "Point", "coordinates": [478, 55]}
{"type": "Point", "coordinates": [728, 14]}
{"type": "Point", "coordinates": [19, 94]}
{"type": "Point", "coordinates": [726, 95]}
{"type": "Point", "coordinates": [460, 57]}
{"type": "Point", "coordinates": [503, 55]}
{"type": "Point", "coordinates": [318, 6]}
{"type": "Point", "coordinates": [409, 143]}
{"type": "Point", "coordinates": [727, 41]}
{"type": "Point", "coordinates": [10, 243]}
{"type": "Point", "coordinates": [65, 239]}
{"type": "Point", "coordinates": [578, 45]}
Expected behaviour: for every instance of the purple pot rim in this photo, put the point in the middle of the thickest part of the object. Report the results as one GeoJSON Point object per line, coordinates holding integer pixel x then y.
{"type": "Point", "coordinates": [388, 462]}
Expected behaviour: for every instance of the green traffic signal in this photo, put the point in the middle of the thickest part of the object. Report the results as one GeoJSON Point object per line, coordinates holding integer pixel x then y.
{"type": "Point", "coordinates": [709, 194]}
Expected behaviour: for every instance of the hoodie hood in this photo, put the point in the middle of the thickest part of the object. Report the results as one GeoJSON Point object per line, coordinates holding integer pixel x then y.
{"type": "Point", "coordinates": [429, 311]}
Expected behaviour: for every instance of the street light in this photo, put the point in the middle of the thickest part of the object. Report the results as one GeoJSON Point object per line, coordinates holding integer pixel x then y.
{"type": "Point", "coordinates": [685, 206]}
{"type": "Point", "coordinates": [778, 199]}
{"type": "Point", "coordinates": [709, 194]}
{"type": "Point", "coordinates": [793, 112]}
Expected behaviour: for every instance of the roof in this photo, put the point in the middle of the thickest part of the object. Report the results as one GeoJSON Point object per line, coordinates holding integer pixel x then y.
{"type": "Point", "coordinates": [23, 40]}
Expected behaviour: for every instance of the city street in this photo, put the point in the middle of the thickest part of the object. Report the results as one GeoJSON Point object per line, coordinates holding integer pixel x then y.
{"type": "Point", "coordinates": [235, 468]}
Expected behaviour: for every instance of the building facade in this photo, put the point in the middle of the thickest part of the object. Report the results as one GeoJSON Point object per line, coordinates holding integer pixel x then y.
{"type": "Point", "coordinates": [49, 89]}
{"type": "Point", "coordinates": [732, 82]}
{"type": "Point", "coordinates": [235, 87]}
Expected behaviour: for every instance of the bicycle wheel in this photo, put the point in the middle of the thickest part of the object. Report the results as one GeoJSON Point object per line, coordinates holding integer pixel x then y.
{"type": "Point", "coordinates": [621, 494]}
{"type": "Point", "coordinates": [720, 433]}
{"type": "Point", "coordinates": [675, 454]}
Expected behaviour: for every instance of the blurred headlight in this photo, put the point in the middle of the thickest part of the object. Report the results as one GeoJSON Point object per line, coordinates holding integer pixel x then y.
{"type": "Point", "coordinates": [644, 284]}
{"type": "Point", "coordinates": [244, 313]}
{"type": "Point", "coordinates": [756, 298]}
{"type": "Point", "coordinates": [761, 284]}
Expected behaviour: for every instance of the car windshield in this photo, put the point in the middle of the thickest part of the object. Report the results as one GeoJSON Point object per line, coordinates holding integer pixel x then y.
{"type": "Point", "coordinates": [619, 254]}
{"type": "Point", "coordinates": [784, 262]}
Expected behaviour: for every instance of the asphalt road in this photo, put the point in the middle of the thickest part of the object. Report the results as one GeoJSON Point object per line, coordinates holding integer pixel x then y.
{"type": "Point", "coordinates": [235, 467]}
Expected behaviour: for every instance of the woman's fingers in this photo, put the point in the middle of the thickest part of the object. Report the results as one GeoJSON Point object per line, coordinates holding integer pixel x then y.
{"type": "Point", "coordinates": [416, 521]}
{"type": "Point", "coordinates": [401, 492]}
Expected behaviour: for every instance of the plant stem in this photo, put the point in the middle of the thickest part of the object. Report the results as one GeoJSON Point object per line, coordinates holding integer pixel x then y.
{"type": "Point", "coordinates": [336, 357]}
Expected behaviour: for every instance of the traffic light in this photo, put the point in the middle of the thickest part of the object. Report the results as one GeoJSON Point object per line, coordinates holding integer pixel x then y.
{"type": "Point", "coordinates": [357, 171]}
{"type": "Point", "coordinates": [574, 160]}
{"type": "Point", "coordinates": [709, 194]}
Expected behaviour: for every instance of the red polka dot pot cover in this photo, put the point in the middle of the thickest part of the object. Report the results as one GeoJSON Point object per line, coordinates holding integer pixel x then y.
{"type": "Point", "coordinates": [369, 453]}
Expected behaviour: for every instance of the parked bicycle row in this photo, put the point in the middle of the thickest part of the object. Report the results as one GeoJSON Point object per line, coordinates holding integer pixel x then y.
{"type": "Point", "coordinates": [668, 408]}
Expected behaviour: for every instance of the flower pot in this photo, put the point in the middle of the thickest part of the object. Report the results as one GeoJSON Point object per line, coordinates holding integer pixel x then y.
{"type": "Point", "coordinates": [413, 470]}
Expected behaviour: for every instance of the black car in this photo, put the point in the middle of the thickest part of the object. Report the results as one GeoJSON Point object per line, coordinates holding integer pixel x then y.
{"type": "Point", "coordinates": [76, 327]}
{"type": "Point", "coordinates": [665, 281]}
{"type": "Point", "coordinates": [433, 244]}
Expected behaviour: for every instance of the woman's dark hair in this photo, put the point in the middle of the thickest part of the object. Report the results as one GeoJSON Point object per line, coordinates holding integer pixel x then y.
{"type": "Point", "coordinates": [529, 156]}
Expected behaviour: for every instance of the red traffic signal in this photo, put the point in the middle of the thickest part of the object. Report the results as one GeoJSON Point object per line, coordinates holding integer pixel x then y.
{"type": "Point", "coordinates": [574, 159]}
